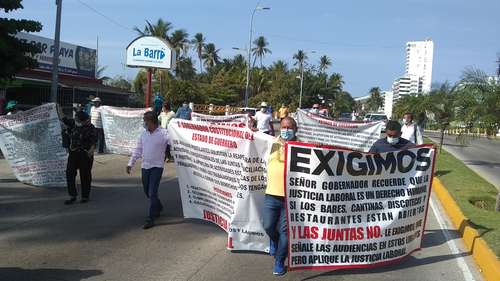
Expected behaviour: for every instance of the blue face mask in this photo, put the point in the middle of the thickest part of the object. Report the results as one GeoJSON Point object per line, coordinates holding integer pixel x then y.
{"type": "Point", "coordinates": [287, 134]}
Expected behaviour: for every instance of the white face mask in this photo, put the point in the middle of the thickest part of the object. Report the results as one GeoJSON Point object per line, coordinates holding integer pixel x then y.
{"type": "Point", "coordinates": [315, 110]}
{"type": "Point", "coordinates": [78, 123]}
{"type": "Point", "coordinates": [392, 140]}
{"type": "Point", "coordinates": [407, 121]}
{"type": "Point", "coordinates": [263, 110]}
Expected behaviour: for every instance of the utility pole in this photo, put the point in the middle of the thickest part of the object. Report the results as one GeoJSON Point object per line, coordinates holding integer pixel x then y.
{"type": "Point", "coordinates": [301, 83]}
{"type": "Point", "coordinates": [498, 67]}
{"type": "Point", "coordinates": [55, 58]}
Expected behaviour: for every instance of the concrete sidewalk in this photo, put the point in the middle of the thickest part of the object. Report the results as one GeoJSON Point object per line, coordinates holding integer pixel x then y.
{"type": "Point", "coordinates": [42, 239]}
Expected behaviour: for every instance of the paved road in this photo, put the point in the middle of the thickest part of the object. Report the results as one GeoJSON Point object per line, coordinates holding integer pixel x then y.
{"type": "Point", "coordinates": [482, 155]}
{"type": "Point", "coordinates": [41, 239]}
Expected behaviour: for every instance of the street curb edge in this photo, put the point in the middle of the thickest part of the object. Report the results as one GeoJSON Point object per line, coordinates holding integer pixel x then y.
{"type": "Point", "coordinates": [485, 258]}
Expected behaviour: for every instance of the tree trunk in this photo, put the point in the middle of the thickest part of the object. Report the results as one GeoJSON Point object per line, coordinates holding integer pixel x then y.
{"type": "Point", "coordinates": [497, 205]}
{"type": "Point", "coordinates": [441, 141]}
{"type": "Point", "coordinates": [201, 63]}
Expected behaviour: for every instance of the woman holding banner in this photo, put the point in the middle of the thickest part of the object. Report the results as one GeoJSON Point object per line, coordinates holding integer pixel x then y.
{"type": "Point", "coordinates": [274, 202]}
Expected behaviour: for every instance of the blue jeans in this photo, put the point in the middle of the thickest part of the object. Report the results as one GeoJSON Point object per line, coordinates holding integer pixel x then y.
{"type": "Point", "coordinates": [151, 181]}
{"type": "Point", "coordinates": [275, 224]}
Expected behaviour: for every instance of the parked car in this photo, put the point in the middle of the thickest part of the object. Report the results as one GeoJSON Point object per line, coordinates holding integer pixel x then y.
{"type": "Point", "coordinates": [250, 110]}
{"type": "Point", "coordinates": [373, 117]}
{"type": "Point", "coordinates": [345, 116]}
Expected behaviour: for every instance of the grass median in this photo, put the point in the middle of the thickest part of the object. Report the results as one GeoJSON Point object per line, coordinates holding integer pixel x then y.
{"type": "Point", "coordinates": [473, 194]}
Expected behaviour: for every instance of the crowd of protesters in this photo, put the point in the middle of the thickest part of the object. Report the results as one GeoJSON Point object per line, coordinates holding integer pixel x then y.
{"type": "Point", "coordinates": [83, 135]}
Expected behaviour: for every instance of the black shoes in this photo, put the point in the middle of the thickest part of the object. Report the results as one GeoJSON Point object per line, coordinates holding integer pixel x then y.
{"type": "Point", "coordinates": [70, 201]}
{"type": "Point", "coordinates": [73, 200]}
{"type": "Point", "coordinates": [148, 224]}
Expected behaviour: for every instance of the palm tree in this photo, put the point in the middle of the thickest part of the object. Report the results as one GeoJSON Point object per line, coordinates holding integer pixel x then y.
{"type": "Point", "coordinates": [300, 58]}
{"type": "Point", "coordinates": [180, 42]}
{"type": "Point", "coordinates": [198, 43]}
{"type": "Point", "coordinates": [375, 101]}
{"type": "Point", "coordinates": [260, 49]}
{"type": "Point", "coordinates": [210, 55]}
{"type": "Point", "coordinates": [324, 63]}
{"type": "Point", "coordinates": [160, 29]}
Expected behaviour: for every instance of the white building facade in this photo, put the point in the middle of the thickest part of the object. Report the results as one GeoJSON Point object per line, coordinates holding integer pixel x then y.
{"type": "Point", "coordinates": [419, 57]}
{"type": "Point", "coordinates": [418, 70]}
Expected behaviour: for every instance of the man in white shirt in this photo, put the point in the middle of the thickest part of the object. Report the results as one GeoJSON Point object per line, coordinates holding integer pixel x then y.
{"type": "Point", "coordinates": [151, 148]}
{"type": "Point", "coordinates": [411, 131]}
{"type": "Point", "coordinates": [264, 119]}
{"type": "Point", "coordinates": [96, 120]}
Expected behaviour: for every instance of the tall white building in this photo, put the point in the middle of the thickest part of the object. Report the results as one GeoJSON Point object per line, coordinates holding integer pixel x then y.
{"type": "Point", "coordinates": [407, 85]}
{"type": "Point", "coordinates": [388, 103]}
{"type": "Point", "coordinates": [419, 56]}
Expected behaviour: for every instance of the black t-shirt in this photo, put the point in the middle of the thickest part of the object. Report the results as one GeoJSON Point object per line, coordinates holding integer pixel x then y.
{"type": "Point", "coordinates": [382, 145]}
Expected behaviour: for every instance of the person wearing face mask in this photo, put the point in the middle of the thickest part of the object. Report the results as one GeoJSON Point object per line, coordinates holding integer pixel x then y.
{"type": "Point", "coordinates": [315, 109]}
{"type": "Point", "coordinates": [184, 112]}
{"type": "Point", "coordinates": [274, 215]}
{"type": "Point", "coordinates": [393, 141]}
{"type": "Point", "coordinates": [96, 119]}
{"type": "Point", "coordinates": [82, 140]}
{"type": "Point", "coordinates": [264, 120]}
{"type": "Point", "coordinates": [151, 147]}
{"type": "Point", "coordinates": [411, 131]}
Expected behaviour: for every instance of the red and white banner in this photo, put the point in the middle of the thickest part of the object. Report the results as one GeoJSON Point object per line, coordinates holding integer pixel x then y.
{"type": "Point", "coordinates": [234, 120]}
{"type": "Point", "coordinates": [222, 178]}
{"type": "Point", "coordinates": [359, 136]}
{"type": "Point", "coordinates": [348, 209]}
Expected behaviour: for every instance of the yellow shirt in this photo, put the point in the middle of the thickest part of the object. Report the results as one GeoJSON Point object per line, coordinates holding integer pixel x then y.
{"type": "Point", "coordinates": [276, 170]}
{"type": "Point", "coordinates": [283, 112]}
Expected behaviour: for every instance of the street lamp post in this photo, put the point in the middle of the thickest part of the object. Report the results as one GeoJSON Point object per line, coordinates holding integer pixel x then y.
{"type": "Point", "coordinates": [302, 79]}
{"type": "Point", "coordinates": [301, 83]}
{"type": "Point", "coordinates": [55, 58]}
{"type": "Point", "coordinates": [247, 87]}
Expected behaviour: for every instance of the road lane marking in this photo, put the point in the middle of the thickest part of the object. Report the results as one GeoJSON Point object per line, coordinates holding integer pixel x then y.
{"type": "Point", "coordinates": [451, 244]}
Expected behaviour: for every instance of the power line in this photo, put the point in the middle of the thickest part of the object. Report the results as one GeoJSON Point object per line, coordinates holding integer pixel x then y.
{"type": "Point", "coordinates": [104, 16]}
{"type": "Point", "coordinates": [335, 43]}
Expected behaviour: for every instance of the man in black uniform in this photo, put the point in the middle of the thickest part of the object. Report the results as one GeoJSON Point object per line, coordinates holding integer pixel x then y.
{"type": "Point", "coordinates": [80, 138]}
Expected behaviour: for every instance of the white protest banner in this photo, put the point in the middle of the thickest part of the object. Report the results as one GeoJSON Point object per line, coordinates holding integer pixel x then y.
{"type": "Point", "coordinates": [31, 141]}
{"type": "Point", "coordinates": [122, 127]}
{"type": "Point", "coordinates": [234, 120]}
{"type": "Point", "coordinates": [222, 178]}
{"type": "Point", "coordinates": [353, 135]}
{"type": "Point", "coordinates": [348, 209]}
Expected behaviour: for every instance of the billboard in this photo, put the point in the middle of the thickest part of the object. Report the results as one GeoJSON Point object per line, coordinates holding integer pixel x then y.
{"type": "Point", "coordinates": [73, 59]}
{"type": "Point", "coordinates": [150, 51]}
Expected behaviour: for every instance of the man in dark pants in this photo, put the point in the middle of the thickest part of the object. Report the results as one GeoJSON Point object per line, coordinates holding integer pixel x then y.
{"type": "Point", "coordinates": [151, 147]}
{"type": "Point", "coordinates": [82, 137]}
{"type": "Point", "coordinates": [393, 140]}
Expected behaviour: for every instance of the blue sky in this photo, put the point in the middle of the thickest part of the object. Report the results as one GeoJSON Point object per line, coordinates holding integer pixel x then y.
{"type": "Point", "coordinates": [365, 39]}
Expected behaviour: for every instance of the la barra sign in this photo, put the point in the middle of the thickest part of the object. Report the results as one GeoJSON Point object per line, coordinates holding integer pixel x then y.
{"type": "Point", "coordinates": [150, 51]}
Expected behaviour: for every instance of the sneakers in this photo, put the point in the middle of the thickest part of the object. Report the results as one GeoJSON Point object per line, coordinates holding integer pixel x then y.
{"type": "Point", "coordinates": [70, 201]}
{"type": "Point", "coordinates": [279, 268]}
{"type": "Point", "coordinates": [149, 223]}
{"type": "Point", "coordinates": [272, 248]}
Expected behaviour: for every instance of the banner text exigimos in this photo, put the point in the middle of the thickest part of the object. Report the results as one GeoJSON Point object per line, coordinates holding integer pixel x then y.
{"type": "Point", "coordinates": [351, 209]}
